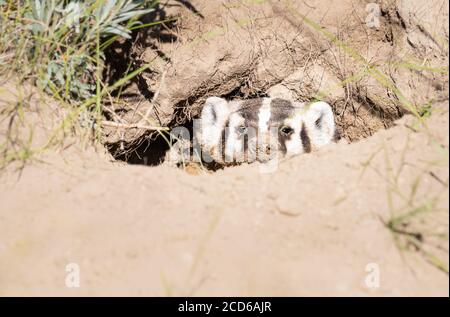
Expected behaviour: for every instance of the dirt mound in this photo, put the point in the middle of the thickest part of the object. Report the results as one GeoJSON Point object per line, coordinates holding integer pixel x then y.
{"type": "Point", "coordinates": [322, 224]}
{"type": "Point", "coordinates": [371, 73]}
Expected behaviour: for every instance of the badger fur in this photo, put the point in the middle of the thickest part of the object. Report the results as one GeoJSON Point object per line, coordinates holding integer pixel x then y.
{"type": "Point", "coordinates": [260, 129]}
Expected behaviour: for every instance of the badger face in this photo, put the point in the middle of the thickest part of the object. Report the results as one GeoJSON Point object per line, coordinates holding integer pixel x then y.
{"type": "Point", "coordinates": [262, 129]}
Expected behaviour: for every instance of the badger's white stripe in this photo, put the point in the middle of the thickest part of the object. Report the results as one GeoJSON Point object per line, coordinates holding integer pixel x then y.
{"type": "Point", "coordinates": [264, 115]}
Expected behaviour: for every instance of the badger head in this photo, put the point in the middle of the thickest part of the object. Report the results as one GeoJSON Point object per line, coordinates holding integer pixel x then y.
{"type": "Point", "coordinates": [261, 129]}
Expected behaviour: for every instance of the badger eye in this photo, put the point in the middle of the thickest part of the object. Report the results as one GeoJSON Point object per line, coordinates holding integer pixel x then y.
{"type": "Point", "coordinates": [241, 129]}
{"type": "Point", "coordinates": [286, 130]}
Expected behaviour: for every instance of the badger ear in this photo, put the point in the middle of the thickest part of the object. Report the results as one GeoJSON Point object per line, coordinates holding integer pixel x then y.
{"type": "Point", "coordinates": [215, 111]}
{"type": "Point", "coordinates": [214, 115]}
{"type": "Point", "coordinates": [320, 120]}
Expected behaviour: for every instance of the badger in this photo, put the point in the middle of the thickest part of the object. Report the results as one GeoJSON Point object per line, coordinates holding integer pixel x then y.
{"type": "Point", "coordinates": [262, 129]}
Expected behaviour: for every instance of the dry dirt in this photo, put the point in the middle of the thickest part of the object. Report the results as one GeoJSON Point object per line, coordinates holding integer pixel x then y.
{"type": "Point", "coordinates": [318, 225]}
{"type": "Point", "coordinates": [310, 228]}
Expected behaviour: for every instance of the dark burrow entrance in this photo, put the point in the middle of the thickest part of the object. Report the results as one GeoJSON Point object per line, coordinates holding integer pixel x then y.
{"type": "Point", "coordinates": [355, 120]}
{"type": "Point", "coordinates": [357, 115]}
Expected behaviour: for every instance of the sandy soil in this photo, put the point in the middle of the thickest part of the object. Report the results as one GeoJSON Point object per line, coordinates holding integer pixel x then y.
{"type": "Point", "coordinates": [369, 218]}
{"type": "Point", "coordinates": [310, 228]}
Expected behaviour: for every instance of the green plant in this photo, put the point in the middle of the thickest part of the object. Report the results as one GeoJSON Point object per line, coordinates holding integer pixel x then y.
{"type": "Point", "coordinates": [58, 46]}
{"type": "Point", "coordinates": [61, 42]}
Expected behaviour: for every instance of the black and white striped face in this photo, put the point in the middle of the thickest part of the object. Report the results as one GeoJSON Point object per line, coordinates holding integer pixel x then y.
{"type": "Point", "coordinates": [261, 129]}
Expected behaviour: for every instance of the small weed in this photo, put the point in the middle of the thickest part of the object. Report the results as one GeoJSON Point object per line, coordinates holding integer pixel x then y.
{"type": "Point", "coordinates": [59, 46]}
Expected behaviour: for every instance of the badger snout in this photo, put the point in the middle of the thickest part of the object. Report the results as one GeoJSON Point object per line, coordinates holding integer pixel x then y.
{"type": "Point", "coordinates": [263, 149]}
